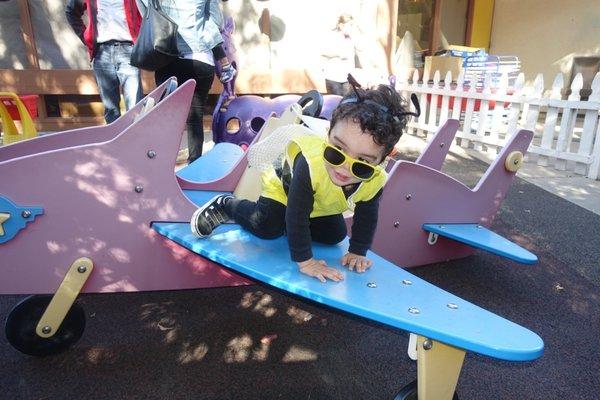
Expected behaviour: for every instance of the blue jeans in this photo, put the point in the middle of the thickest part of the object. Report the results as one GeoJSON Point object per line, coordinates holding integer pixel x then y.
{"type": "Point", "coordinates": [113, 71]}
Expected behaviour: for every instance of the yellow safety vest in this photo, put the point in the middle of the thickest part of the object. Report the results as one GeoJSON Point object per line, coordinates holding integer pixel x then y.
{"type": "Point", "coordinates": [329, 198]}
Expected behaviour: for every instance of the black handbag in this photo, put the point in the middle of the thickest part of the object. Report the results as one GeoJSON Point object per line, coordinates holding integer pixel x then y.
{"type": "Point", "coordinates": [156, 44]}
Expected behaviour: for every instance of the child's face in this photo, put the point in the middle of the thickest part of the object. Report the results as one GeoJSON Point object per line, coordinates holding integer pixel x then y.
{"type": "Point", "coordinates": [347, 136]}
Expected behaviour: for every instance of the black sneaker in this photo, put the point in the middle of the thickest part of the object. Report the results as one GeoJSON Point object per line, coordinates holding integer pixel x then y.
{"type": "Point", "coordinates": [209, 216]}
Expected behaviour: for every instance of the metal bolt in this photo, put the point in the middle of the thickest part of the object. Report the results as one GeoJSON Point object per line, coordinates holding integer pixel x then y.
{"type": "Point", "coordinates": [372, 285]}
{"type": "Point", "coordinates": [46, 330]}
{"type": "Point", "coordinates": [81, 269]}
{"type": "Point", "coordinates": [406, 282]}
{"type": "Point", "coordinates": [442, 227]}
{"type": "Point", "coordinates": [479, 226]}
{"type": "Point", "coordinates": [442, 144]}
{"type": "Point", "coordinates": [139, 189]}
{"type": "Point", "coordinates": [151, 154]}
{"type": "Point", "coordinates": [396, 224]}
{"type": "Point", "coordinates": [408, 196]}
{"type": "Point", "coordinates": [26, 214]}
{"type": "Point", "coordinates": [516, 162]}
{"type": "Point", "coordinates": [428, 344]}
{"type": "Point", "coordinates": [452, 306]}
{"type": "Point", "coordinates": [414, 310]}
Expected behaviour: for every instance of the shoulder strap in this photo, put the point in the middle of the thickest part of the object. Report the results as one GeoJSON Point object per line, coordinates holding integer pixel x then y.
{"type": "Point", "coordinates": [206, 10]}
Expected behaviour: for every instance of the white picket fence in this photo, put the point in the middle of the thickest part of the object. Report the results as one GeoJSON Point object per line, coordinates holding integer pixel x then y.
{"type": "Point", "coordinates": [567, 132]}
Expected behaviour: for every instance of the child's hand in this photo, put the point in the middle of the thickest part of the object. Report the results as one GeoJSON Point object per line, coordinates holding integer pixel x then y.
{"type": "Point", "coordinates": [356, 262]}
{"type": "Point", "coordinates": [320, 270]}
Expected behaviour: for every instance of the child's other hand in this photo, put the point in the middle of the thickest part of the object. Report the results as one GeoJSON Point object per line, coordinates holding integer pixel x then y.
{"type": "Point", "coordinates": [356, 262]}
{"type": "Point", "coordinates": [320, 270]}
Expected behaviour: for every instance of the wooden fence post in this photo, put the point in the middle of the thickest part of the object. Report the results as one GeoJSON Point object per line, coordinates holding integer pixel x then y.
{"type": "Point", "coordinates": [569, 115]}
{"type": "Point", "coordinates": [468, 114]}
{"type": "Point", "coordinates": [551, 119]}
{"type": "Point", "coordinates": [516, 105]}
{"type": "Point", "coordinates": [446, 98]}
{"type": "Point", "coordinates": [497, 114]}
{"type": "Point", "coordinates": [483, 112]}
{"type": "Point", "coordinates": [590, 121]}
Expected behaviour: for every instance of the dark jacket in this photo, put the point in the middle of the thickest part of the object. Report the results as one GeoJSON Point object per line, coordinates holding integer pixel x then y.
{"type": "Point", "coordinates": [88, 33]}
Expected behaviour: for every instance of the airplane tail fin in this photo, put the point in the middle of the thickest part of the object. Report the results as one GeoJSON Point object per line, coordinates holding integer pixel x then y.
{"type": "Point", "coordinates": [494, 184]}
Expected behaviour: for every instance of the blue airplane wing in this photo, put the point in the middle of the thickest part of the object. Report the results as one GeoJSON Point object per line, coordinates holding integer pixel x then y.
{"type": "Point", "coordinates": [385, 293]}
{"type": "Point", "coordinates": [480, 237]}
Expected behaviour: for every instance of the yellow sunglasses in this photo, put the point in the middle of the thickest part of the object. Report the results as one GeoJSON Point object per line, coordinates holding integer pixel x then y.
{"type": "Point", "coordinates": [360, 169]}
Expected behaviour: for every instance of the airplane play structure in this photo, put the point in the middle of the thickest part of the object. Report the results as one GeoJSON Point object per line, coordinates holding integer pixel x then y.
{"type": "Point", "coordinates": [100, 210]}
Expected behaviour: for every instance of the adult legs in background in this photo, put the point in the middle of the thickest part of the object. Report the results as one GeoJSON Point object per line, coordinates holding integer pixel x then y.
{"type": "Point", "coordinates": [105, 72]}
{"type": "Point", "coordinates": [129, 76]}
{"type": "Point", "coordinates": [203, 74]}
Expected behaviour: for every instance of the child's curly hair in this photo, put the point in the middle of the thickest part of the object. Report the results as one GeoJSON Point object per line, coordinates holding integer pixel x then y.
{"type": "Point", "coordinates": [380, 111]}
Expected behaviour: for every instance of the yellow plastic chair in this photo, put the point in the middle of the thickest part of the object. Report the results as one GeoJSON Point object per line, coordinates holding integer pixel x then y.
{"type": "Point", "coordinates": [10, 132]}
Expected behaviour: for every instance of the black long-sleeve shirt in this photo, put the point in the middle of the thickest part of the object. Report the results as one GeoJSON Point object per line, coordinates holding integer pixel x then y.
{"type": "Point", "coordinates": [300, 205]}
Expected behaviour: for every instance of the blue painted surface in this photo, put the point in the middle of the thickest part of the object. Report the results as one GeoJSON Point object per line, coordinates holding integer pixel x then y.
{"type": "Point", "coordinates": [482, 238]}
{"type": "Point", "coordinates": [214, 164]}
{"type": "Point", "coordinates": [200, 197]}
{"type": "Point", "coordinates": [468, 327]}
{"type": "Point", "coordinates": [16, 221]}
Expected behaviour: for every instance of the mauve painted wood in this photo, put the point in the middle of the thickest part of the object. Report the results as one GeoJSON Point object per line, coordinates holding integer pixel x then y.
{"type": "Point", "coordinates": [91, 209]}
{"type": "Point", "coordinates": [416, 194]}
{"type": "Point", "coordinates": [76, 137]}
{"type": "Point", "coordinates": [434, 154]}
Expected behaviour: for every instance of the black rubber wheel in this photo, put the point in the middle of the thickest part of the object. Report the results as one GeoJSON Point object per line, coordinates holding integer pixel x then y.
{"type": "Point", "coordinates": [409, 392]}
{"type": "Point", "coordinates": [23, 319]}
{"type": "Point", "coordinates": [311, 103]}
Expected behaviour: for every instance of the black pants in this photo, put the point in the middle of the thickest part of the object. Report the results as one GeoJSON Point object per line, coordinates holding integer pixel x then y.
{"type": "Point", "coordinates": [265, 218]}
{"type": "Point", "coordinates": [203, 74]}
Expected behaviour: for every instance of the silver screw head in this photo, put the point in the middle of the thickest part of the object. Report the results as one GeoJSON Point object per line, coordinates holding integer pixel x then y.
{"type": "Point", "coordinates": [151, 154]}
{"type": "Point", "coordinates": [371, 285]}
{"type": "Point", "coordinates": [26, 214]}
{"type": "Point", "coordinates": [428, 344]}
{"type": "Point", "coordinates": [408, 196]}
{"type": "Point", "coordinates": [139, 189]}
{"type": "Point", "coordinates": [406, 282]}
{"type": "Point", "coordinates": [414, 310]}
{"type": "Point", "coordinates": [81, 269]}
{"type": "Point", "coordinates": [396, 224]}
{"type": "Point", "coordinates": [46, 330]}
{"type": "Point", "coordinates": [452, 306]}
{"type": "Point", "coordinates": [442, 144]}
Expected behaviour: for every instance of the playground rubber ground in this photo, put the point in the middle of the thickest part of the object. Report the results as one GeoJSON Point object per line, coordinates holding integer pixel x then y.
{"type": "Point", "coordinates": [257, 343]}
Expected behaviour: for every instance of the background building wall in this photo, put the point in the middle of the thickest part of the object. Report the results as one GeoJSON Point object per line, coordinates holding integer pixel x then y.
{"type": "Point", "coordinates": [454, 21]}
{"type": "Point", "coordinates": [271, 36]}
{"type": "Point", "coordinates": [546, 34]}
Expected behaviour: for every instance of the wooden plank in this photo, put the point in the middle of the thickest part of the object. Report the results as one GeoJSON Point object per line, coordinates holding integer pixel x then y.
{"type": "Point", "coordinates": [68, 81]}
{"type": "Point", "coordinates": [551, 119]}
{"type": "Point", "coordinates": [435, 31]}
{"type": "Point", "coordinates": [569, 116]}
{"type": "Point", "coordinates": [590, 121]}
{"type": "Point", "coordinates": [28, 37]}
{"type": "Point", "coordinates": [54, 124]}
